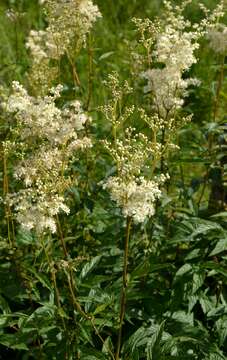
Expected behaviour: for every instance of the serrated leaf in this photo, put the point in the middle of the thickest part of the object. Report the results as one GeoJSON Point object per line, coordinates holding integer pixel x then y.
{"type": "Point", "coordinates": [220, 246]}
{"type": "Point", "coordinates": [205, 303]}
{"type": "Point", "coordinates": [106, 55]}
{"type": "Point", "coordinates": [198, 280]}
{"type": "Point", "coordinates": [186, 268]}
{"type": "Point", "coordinates": [4, 305]}
{"type": "Point", "coordinates": [108, 346]}
{"type": "Point", "coordinates": [183, 317]}
{"type": "Point", "coordinates": [12, 342]}
{"type": "Point", "coordinates": [90, 266]}
{"type": "Point", "coordinates": [153, 345]}
{"type": "Point", "coordinates": [42, 278]}
{"type": "Point", "coordinates": [216, 312]}
{"type": "Point", "coordinates": [205, 228]}
{"type": "Point", "coordinates": [100, 308]}
{"type": "Point", "coordinates": [221, 326]}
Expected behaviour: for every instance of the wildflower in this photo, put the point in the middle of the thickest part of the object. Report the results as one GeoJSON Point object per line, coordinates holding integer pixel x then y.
{"type": "Point", "coordinates": [173, 46]}
{"type": "Point", "coordinates": [218, 39]}
{"type": "Point", "coordinates": [69, 22]}
{"type": "Point", "coordinates": [136, 197]}
{"type": "Point", "coordinates": [170, 46]}
{"type": "Point", "coordinates": [129, 188]}
{"type": "Point", "coordinates": [47, 138]}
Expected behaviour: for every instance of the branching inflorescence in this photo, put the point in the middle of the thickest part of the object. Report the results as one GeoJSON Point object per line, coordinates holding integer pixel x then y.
{"type": "Point", "coordinates": [69, 22]}
{"type": "Point", "coordinates": [46, 137]}
{"type": "Point", "coordinates": [170, 45]}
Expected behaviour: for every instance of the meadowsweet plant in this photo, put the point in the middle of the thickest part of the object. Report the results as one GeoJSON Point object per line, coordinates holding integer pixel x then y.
{"type": "Point", "coordinates": [41, 122]}
{"type": "Point", "coordinates": [131, 152]}
{"type": "Point", "coordinates": [218, 38]}
{"type": "Point", "coordinates": [170, 44]}
{"type": "Point", "coordinates": [171, 47]}
{"type": "Point", "coordinates": [112, 209]}
{"type": "Point", "coordinates": [46, 138]}
{"type": "Point", "coordinates": [132, 192]}
{"type": "Point", "coordinates": [69, 23]}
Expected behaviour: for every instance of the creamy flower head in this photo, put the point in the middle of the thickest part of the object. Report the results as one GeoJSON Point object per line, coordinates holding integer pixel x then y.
{"type": "Point", "coordinates": [47, 139]}
{"type": "Point", "coordinates": [36, 211]}
{"type": "Point", "coordinates": [137, 197]}
{"type": "Point", "coordinates": [68, 24]}
{"type": "Point", "coordinates": [218, 39]}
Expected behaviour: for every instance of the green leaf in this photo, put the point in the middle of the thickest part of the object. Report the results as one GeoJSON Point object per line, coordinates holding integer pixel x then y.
{"type": "Point", "coordinates": [106, 55]}
{"type": "Point", "coordinates": [108, 346]}
{"type": "Point", "coordinates": [92, 354]}
{"type": "Point", "coordinates": [206, 304]}
{"type": "Point", "coordinates": [215, 266]}
{"type": "Point", "coordinates": [217, 312]}
{"type": "Point", "coordinates": [221, 326]}
{"type": "Point", "coordinates": [186, 268]}
{"type": "Point", "coordinates": [205, 228]}
{"type": "Point", "coordinates": [12, 341]}
{"type": "Point", "coordinates": [153, 345]}
{"type": "Point", "coordinates": [100, 309]}
{"type": "Point", "coordinates": [90, 266]}
{"type": "Point", "coordinates": [42, 278]}
{"type": "Point", "coordinates": [220, 246]}
{"type": "Point", "coordinates": [222, 214]}
{"type": "Point", "coordinates": [4, 305]}
{"type": "Point", "coordinates": [198, 280]}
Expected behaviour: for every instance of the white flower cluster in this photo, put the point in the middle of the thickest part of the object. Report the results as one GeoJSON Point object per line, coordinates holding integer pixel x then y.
{"type": "Point", "coordinates": [137, 197]}
{"type": "Point", "coordinates": [170, 46]}
{"type": "Point", "coordinates": [42, 46]}
{"type": "Point", "coordinates": [69, 22]}
{"type": "Point", "coordinates": [218, 39]}
{"type": "Point", "coordinates": [36, 210]}
{"type": "Point", "coordinates": [46, 138]}
{"type": "Point", "coordinates": [174, 49]}
{"type": "Point", "coordinates": [131, 191]}
{"type": "Point", "coordinates": [41, 118]}
{"type": "Point", "coordinates": [168, 88]}
{"type": "Point", "coordinates": [130, 153]}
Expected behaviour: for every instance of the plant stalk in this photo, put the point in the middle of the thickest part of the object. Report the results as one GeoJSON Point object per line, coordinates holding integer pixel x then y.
{"type": "Point", "coordinates": [124, 287]}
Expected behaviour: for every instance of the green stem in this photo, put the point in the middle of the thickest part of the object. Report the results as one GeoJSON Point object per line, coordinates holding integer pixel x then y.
{"type": "Point", "coordinates": [62, 240]}
{"type": "Point", "coordinates": [218, 91]}
{"type": "Point", "coordinates": [124, 287]}
{"type": "Point", "coordinates": [90, 73]}
{"type": "Point", "coordinates": [162, 155]}
{"type": "Point", "coordinates": [53, 276]}
{"type": "Point", "coordinates": [8, 214]}
{"type": "Point", "coordinates": [76, 79]}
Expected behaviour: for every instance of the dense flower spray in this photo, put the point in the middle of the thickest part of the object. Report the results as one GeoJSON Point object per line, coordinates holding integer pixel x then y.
{"type": "Point", "coordinates": [69, 22]}
{"type": "Point", "coordinates": [46, 139]}
{"type": "Point", "coordinates": [173, 48]}
{"type": "Point", "coordinates": [218, 39]}
{"type": "Point", "coordinates": [131, 151]}
{"type": "Point", "coordinates": [170, 44]}
{"type": "Point", "coordinates": [46, 136]}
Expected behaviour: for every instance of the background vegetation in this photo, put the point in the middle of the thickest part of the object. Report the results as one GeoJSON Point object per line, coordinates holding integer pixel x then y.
{"type": "Point", "coordinates": [177, 274]}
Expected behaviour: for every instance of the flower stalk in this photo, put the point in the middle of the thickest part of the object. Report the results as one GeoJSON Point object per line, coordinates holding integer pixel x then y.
{"type": "Point", "coordinates": [124, 287]}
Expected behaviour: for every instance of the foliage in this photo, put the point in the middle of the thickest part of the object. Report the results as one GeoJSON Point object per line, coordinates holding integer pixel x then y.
{"type": "Point", "coordinates": [62, 294]}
